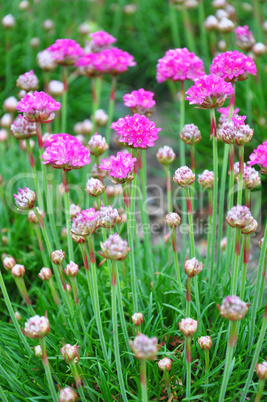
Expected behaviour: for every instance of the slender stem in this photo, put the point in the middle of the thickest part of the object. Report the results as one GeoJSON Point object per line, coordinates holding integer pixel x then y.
{"type": "Point", "coordinates": [248, 197]}
{"type": "Point", "coordinates": [230, 205]}
{"type": "Point", "coordinates": [167, 382]}
{"type": "Point", "coordinates": [190, 222]}
{"type": "Point", "coordinates": [207, 359]}
{"type": "Point", "coordinates": [41, 246]}
{"type": "Point", "coordinates": [12, 315]}
{"type": "Point", "coordinates": [96, 91]}
{"type": "Point", "coordinates": [64, 103]}
{"type": "Point", "coordinates": [67, 213]}
{"type": "Point", "coordinates": [188, 366]}
{"type": "Point", "coordinates": [24, 294]}
{"type": "Point", "coordinates": [203, 32]}
{"type": "Point", "coordinates": [237, 241]}
{"type": "Point", "coordinates": [188, 30]}
{"type": "Point", "coordinates": [263, 280]}
{"type": "Point", "coordinates": [77, 378]}
{"type": "Point", "coordinates": [188, 295]}
{"type": "Point", "coordinates": [143, 380]}
{"type": "Point", "coordinates": [260, 390]}
{"type": "Point", "coordinates": [182, 156]}
{"type": "Point", "coordinates": [176, 263]}
{"type": "Point", "coordinates": [241, 173]}
{"type": "Point", "coordinates": [215, 193]}
{"type": "Point", "coordinates": [174, 24]}
{"type": "Point", "coordinates": [169, 187]}
{"type": "Point", "coordinates": [48, 371]}
{"type": "Point", "coordinates": [53, 292]}
{"type": "Point", "coordinates": [115, 328]}
{"type": "Point", "coordinates": [209, 229]}
{"type": "Point", "coordinates": [2, 394]}
{"type": "Point", "coordinates": [111, 107]}
{"type": "Point", "coordinates": [245, 263]}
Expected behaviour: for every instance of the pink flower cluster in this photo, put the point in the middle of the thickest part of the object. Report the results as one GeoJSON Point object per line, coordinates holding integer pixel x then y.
{"type": "Point", "coordinates": [179, 65]}
{"type": "Point", "coordinates": [65, 51]}
{"type": "Point", "coordinates": [259, 157]}
{"type": "Point", "coordinates": [86, 222]}
{"type": "Point", "coordinates": [225, 114]}
{"type": "Point", "coordinates": [65, 152]}
{"type": "Point", "coordinates": [109, 61]}
{"type": "Point", "coordinates": [136, 131]}
{"type": "Point", "coordinates": [233, 66]}
{"type": "Point", "coordinates": [101, 40]}
{"type": "Point", "coordinates": [244, 37]}
{"type": "Point", "coordinates": [119, 167]}
{"type": "Point", "coordinates": [139, 101]}
{"type": "Point", "coordinates": [209, 91]}
{"type": "Point", "coordinates": [38, 107]}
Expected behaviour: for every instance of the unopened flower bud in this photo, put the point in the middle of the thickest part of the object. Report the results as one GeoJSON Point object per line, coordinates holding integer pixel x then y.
{"type": "Point", "coordinates": [220, 14]}
{"type": "Point", "coordinates": [205, 342]}
{"type": "Point", "coordinates": [129, 9]}
{"type": "Point", "coordinates": [108, 217]}
{"type": "Point", "coordinates": [190, 134]}
{"type": "Point", "coordinates": [259, 49]}
{"type": "Point", "coordinates": [18, 271]}
{"type": "Point", "coordinates": [46, 61]}
{"type": "Point", "coordinates": [48, 25]}
{"type": "Point", "coordinates": [6, 120]}
{"type": "Point", "coordinates": [114, 248]}
{"type": "Point", "coordinates": [64, 233]}
{"type": "Point", "coordinates": [261, 242]}
{"type": "Point", "coordinates": [250, 228]}
{"type": "Point", "coordinates": [18, 316]}
{"type": "Point", "coordinates": [223, 243]}
{"type": "Point", "coordinates": [68, 287]}
{"type": "Point", "coordinates": [71, 270]}
{"type": "Point", "coordinates": [97, 145]}
{"type": "Point", "coordinates": [165, 155]}
{"type": "Point", "coordinates": [144, 348]}
{"type": "Point", "coordinates": [4, 240]}
{"type": "Point", "coordinates": [32, 216]}
{"type": "Point", "coordinates": [8, 21]}
{"type": "Point", "coordinates": [184, 176]}
{"type": "Point", "coordinates": [45, 274]}
{"type": "Point", "coordinates": [25, 199]}
{"type": "Point", "coordinates": [37, 327]}
{"type": "Point", "coordinates": [113, 191]}
{"type": "Point", "coordinates": [137, 319]}
{"type": "Point", "coordinates": [22, 93]}
{"type": "Point", "coordinates": [10, 104]}
{"type": "Point", "coordinates": [94, 187]}
{"type": "Point", "coordinates": [3, 134]}
{"type": "Point", "coordinates": [188, 326]}
{"type": "Point", "coordinates": [24, 5]}
{"type": "Point", "coordinates": [239, 216]}
{"type": "Point", "coordinates": [233, 308]}
{"type": "Point", "coordinates": [28, 81]}
{"type": "Point", "coordinates": [211, 23]}
{"type": "Point", "coordinates": [193, 267]}
{"type": "Point", "coordinates": [101, 117]}
{"type": "Point", "coordinates": [57, 257]}
{"type": "Point", "coordinates": [22, 129]}
{"type": "Point", "coordinates": [251, 178]}
{"type": "Point", "coordinates": [69, 352]}
{"type": "Point", "coordinates": [67, 394]}
{"type": "Point", "coordinates": [218, 3]}
{"type": "Point", "coordinates": [261, 370]}
{"type": "Point", "coordinates": [9, 262]}
{"type": "Point", "coordinates": [84, 28]}
{"type": "Point", "coordinates": [225, 25]}
{"type": "Point", "coordinates": [38, 351]}
{"type": "Point", "coordinates": [35, 42]}
{"type": "Point", "coordinates": [74, 210]}
{"type": "Point", "coordinates": [173, 220]}
{"type": "Point", "coordinates": [165, 364]}
{"type": "Point", "coordinates": [55, 88]}
{"type": "Point", "coordinates": [87, 126]}
{"type": "Point", "coordinates": [81, 138]}
{"type": "Point", "coordinates": [206, 179]}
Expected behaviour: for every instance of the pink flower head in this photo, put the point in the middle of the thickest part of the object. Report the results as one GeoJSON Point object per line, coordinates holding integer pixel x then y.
{"type": "Point", "coordinates": [239, 120]}
{"type": "Point", "coordinates": [136, 131]}
{"type": "Point", "coordinates": [87, 65]}
{"type": "Point", "coordinates": [244, 37]}
{"type": "Point", "coordinates": [140, 101]}
{"type": "Point", "coordinates": [86, 222]}
{"type": "Point", "coordinates": [23, 129]}
{"type": "Point", "coordinates": [224, 118]}
{"type": "Point", "coordinates": [233, 66]}
{"type": "Point", "coordinates": [209, 91]}
{"type": "Point", "coordinates": [38, 107]}
{"type": "Point", "coordinates": [113, 61]}
{"type": "Point", "coordinates": [101, 40]}
{"type": "Point", "coordinates": [259, 157]}
{"type": "Point", "coordinates": [66, 153]}
{"type": "Point", "coordinates": [27, 81]}
{"type": "Point", "coordinates": [65, 51]}
{"type": "Point", "coordinates": [119, 167]}
{"type": "Point", "coordinates": [179, 65]}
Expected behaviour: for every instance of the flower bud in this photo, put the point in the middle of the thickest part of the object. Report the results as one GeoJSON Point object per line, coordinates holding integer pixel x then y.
{"type": "Point", "coordinates": [251, 228]}
{"type": "Point", "coordinates": [114, 191]}
{"type": "Point", "coordinates": [211, 23]}
{"type": "Point", "coordinates": [193, 267]}
{"type": "Point", "coordinates": [84, 28]}
{"type": "Point", "coordinates": [188, 326]}
{"type": "Point", "coordinates": [259, 49]}
{"type": "Point", "coordinates": [218, 3]}
{"type": "Point", "coordinates": [71, 270]}
{"type": "Point", "coordinates": [94, 187]}
{"type": "Point", "coordinates": [4, 240]}
{"type": "Point", "coordinates": [239, 217]}
{"type": "Point", "coordinates": [57, 257]}
{"type": "Point", "coordinates": [144, 348]}
{"type": "Point", "coordinates": [114, 248]}
{"type": "Point", "coordinates": [108, 217]}
{"type": "Point", "coordinates": [46, 61]}
{"type": "Point", "coordinates": [165, 155]}
{"type": "Point", "coordinates": [64, 233]}
{"type": "Point", "coordinates": [55, 88]}
{"type": "Point", "coordinates": [28, 81]}
{"type": "Point", "coordinates": [261, 370]}
{"type": "Point", "coordinates": [190, 134]}
{"type": "Point", "coordinates": [18, 271]}
{"type": "Point", "coordinates": [184, 176]}
{"type": "Point", "coordinates": [165, 364]}
{"type": "Point", "coordinates": [205, 342]}
{"type": "Point", "coordinates": [18, 316]}
{"type": "Point", "coordinates": [74, 210]}
{"type": "Point", "coordinates": [223, 243]}
{"type": "Point", "coordinates": [6, 120]}
{"type": "Point", "coordinates": [67, 394]}
{"type": "Point", "coordinates": [233, 308]}
{"type": "Point", "coordinates": [38, 351]}
{"type": "Point", "coordinates": [35, 42]}
{"type": "Point", "coordinates": [251, 178]}
{"type": "Point", "coordinates": [48, 25]}
{"type": "Point", "coordinates": [37, 327]}
{"type": "Point", "coordinates": [97, 145]}
{"type": "Point", "coordinates": [3, 134]}
{"type": "Point", "coordinates": [10, 104]}
{"type": "Point", "coordinates": [25, 199]}
{"type": "Point", "coordinates": [261, 242]}
{"type": "Point", "coordinates": [173, 220]}
{"type": "Point", "coordinates": [206, 179]}
{"type": "Point", "coordinates": [225, 25]}
{"type": "Point", "coordinates": [137, 319]}
{"type": "Point", "coordinates": [8, 21]}
{"type": "Point", "coordinates": [22, 129]}
{"type": "Point", "coordinates": [68, 288]}
{"type": "Point", "coordinates": [78, 239]}
{"type": "Point", "coordinates": [24, 5]}
{"type": "Point", "coordinates": [9, 262]}
{"type": "Point", "coordinates": [69, 352]}
{"type": "Point", "coordinates": [81, 138]}
{"type": "Point", "coordinates": [87, 126]}
{"type": "Point", "coordinates": [101, 117]}
{"type": "Point", "coordinates": [45, 274]}
{"type": "Point", "coordinates": [32, 216]}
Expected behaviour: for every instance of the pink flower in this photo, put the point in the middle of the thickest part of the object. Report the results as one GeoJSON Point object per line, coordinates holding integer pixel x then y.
{"type": "Point", "coordinates": [233, 66]}
{"type": "Point", "coordinates": [244, 37]}
{"type": "Point", "coordinates": [136, 131]}
{"type": "Point", "coordinates": [224, 118]}
{"type": "Point", "coordinates": [86, 222]}
{"type": "Point", "coordinates": [209, 91]}
{"type": "Point", "coordinates": [259, 157]}
{"type": "Point", "coordinates": [65, 51]}
{"type": "Point", "coordinates": [65, 152]}
{"type": "Point", "coordinates": [119, 167]}
{"type": "Point", "coordinates": [139, 101]}
{"type": "Point", "coordinates": [38, 107]}
{"type": "Point", "coordinates": [101, 40]}
{"type": "Point", "coordinates": [23, 129]}
{"type": "Point", "coordinates": [86, 65]}
{"type": "Point", "coordinates": [179, 65]}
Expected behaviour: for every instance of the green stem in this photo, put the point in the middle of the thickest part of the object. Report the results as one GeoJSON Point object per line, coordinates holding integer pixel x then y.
{"type": "Point", "coordinates": [241, 173]}
{"type": "Point", "coordinates": [96, 92]}
{"type": "Point", "coordinates": [190, 222]}
{"type": "Point", "coordinates": [237, 242]}
{"type": "Point", "coordinates": [24, 294]}
{"type": "Point", "coordinates": [230, 205]}
{"type": "Point", "coordinates": [64, 103]}
{"type": "Point", "coordinates": [12, 315]}
{"type": "Point", "coordinates": [169, 187]}
{"type": "Point", "coordinates": [260, 390]}
{"type": "Point", "coordinates": [48, 371]}
{"type": "Point", "coordinates": [111, 107]}
{"type": "Point", "coordinates": [2, 394]}
{"type": "Point", "coordinates": [209, 229]}
{"type": "Point", "coordinates": [188, 366]}
{"type": "Point", "coordinates": [188, 295]}
{"type": "Point", "coordinates": [203, 32]}
{"type": "Point", "coordinates": [215, 193]}
{"type": "Point", "coordinates": [77, 378]}
{"type": "Point", "coordinates": [41, 246]}
{"type": "Point", "coordinates": [167, 382]}
{"type": "Point", "coordinates": [174, 24]}
{"type": "Point", "coordinates": [115, 328]}
{"type": "Point", "coordinates": [182, 157]}
{"type": "Point", "coordinates": [176, 263]}
{"type": "Point", "coordinates": [245, 263]}
{"type": "Point", "coordinates": [67, 213]}
{"type": "Point", "coordinates": [143, 380]}
{"type": "Point", "coordinates": [53, 292]}
{"type": "Point", "coordinates": [188, 30]}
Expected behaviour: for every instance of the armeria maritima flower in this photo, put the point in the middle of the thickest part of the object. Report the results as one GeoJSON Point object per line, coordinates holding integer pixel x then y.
{"type": "Point", "coordinates": [136, 131]}
{"type": "Point", "coordinates": [225, 114]}
{"type": "Point", "coordinates": [46, 61]}
{"type": "Point", "coordinates": [38, 107]}
{"type": "Point", "coordinates": [184, 176]}
{"type": "Point", "coordinates": [179, 65]}
{"type": "Point", "coordinates": [233, 66]}
{"type": "Point", "coordinates": [188, 326]}
{"type": "Point", "coordinates": [22, 128]}
{"type": "Point", "coordinates": [239, 216]}
{"type": "Point", "coordinates": [97, 144]}
{"type": "Point", "coordinates": [236, 131]}
{"type": "Point", "coordinates": [28, 81]}
{"type": "Point", "coordinates": [119, 167]}
{"type": "Point", "coordinates": [67, 394]}
{"type": "Point", "coordinates": [190, 134]}
{"type": "Point", "coordinates": [108, 217]}
{"type": "Point", "coordinates": [86, 222]}
{"type": "Point", "coordinates": [173, 220]}
{"type": "Point", "coordinates": [206, 179]}
{"type": "Point", "coordinates": [165, 155]}
{"type": "Point", "coordinates": [114, 248]}
{"type": "Point", "coordinates": [139, 101]}
{"type": "Point", "coordinates": [209, 91]}
{"type": "Point", "coordinates": [244, 37]}
{"type": "Point", "coordinates": [144, 348]}
{"type": "Point", "coordinates": [65, 152]}
{"type": "Point", "coordinates": [25, 199]}
{"type": "Point", "coordinates": [251, 177]}
{"type": "Point", "coordinates": [233, 308]}
{"type": "Point", "coordinates": [65, 51]}
{"type": "Point", "coordinates": [36, 327]}
{"type": "Point", "coordinates": [101, 40]}
{"type": "Point", "coordinates": [259, 157]}
{"type": "Point", "coordinates": [94, 187]}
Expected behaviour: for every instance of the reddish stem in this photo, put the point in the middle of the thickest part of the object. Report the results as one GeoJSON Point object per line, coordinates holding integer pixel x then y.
{"type": "Point", "coordinates": [189, 205]}
{"type": "Point", "coordinates": [85, 259]}
{"type": "Point", "coordinates": [188, 289]}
